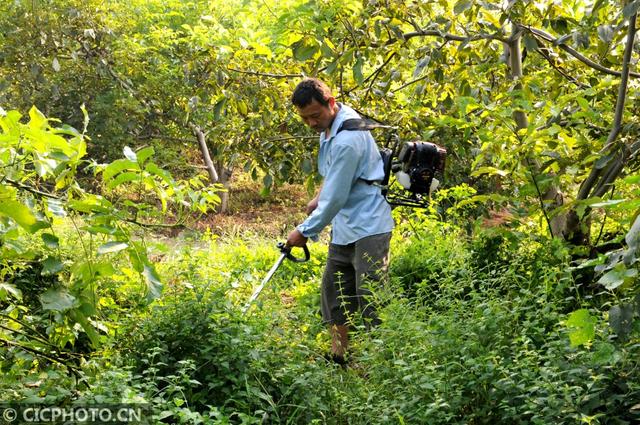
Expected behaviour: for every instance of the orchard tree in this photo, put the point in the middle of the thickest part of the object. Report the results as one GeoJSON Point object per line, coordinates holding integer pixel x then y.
{"type": "Point", "coordinates": [529, 94]}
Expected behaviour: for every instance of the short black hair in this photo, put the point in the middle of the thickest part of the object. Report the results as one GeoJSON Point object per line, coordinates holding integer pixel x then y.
{"type": "Point", "coordinates": [309, 89]}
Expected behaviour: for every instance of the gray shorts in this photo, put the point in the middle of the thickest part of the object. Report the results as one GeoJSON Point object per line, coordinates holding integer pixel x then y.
{"type": "Point", "coordinates": [351, 270]}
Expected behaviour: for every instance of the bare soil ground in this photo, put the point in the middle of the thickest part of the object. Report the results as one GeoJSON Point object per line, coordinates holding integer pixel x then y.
{"type": "Point", "coordinates": [250, 212]}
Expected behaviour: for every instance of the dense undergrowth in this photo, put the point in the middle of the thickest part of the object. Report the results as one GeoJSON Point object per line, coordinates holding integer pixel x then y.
{"type": "Point", "coordinates": [474, 331]}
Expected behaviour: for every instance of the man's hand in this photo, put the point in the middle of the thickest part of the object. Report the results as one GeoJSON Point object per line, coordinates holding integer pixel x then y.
{"type": "Point", "coordinates": [296, 239]}
{"type": "Point", "coordinates": [312, 205]}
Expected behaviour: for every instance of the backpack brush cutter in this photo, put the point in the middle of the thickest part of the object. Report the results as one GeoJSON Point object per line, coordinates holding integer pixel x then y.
{"type": "Point", "coordinates": [285, 253]}
{"type": "Point", "coordinates": [417, 166]}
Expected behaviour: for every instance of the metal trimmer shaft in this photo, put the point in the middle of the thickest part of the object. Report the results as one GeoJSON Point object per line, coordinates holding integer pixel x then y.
{"type": "Point", "coordinates": [286, 253]}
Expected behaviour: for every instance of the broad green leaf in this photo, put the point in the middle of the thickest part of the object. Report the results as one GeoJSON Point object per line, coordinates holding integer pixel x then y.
{"type": "Point", "coordinates": [144, 153]}
{"type": "Point", "coordinates": [631, 9]}
{"type": "Point", "coordinates": [51, 241]}
{"type": "Point", "coordinates": [57, 299]}
{"type": "Point", "coordinates": [68, 130]}
{"type": "Point", "coordinates": [82, 271]}
{"type": "Point", "coordinates": [605, 32]}
{"type": "Point", "coordinates": [490, 171]}
{"type": "Point", "coordinates": [261, 49]}
{"type": "Point", "coordinates": [607, 203]}
{"type": "Point", "coordinates": [242, 108]}
{"type": "Point", "coordinates": [154, 285]}
{"type": "Point", "coordinates": [125, 177]}
{"type": "Point", "coordinates": [91, 204]}
{"type": "Point", "coordinates": [267, 180]}
{"type": "Point", "coordinates": [138, 259]}
{"type": "Point", "coordinates": [332, 67]}
{"type": "Point", "coordinates": [56, 207]}
{"type": "Point", "coordinates": [217, 109]}
{"type": "Point", "coordinates": [612, 279]}
{"type": "Point", "coordinates": [621, 318]}
{"type": "Point", "coordinates": [461, 6]}
{"type": "Point", "coordinates": [91, 331]}
{"type": "Point", "coordinates": [155, 170]}
{"type": "Point", "coordinates": [87, 307]}
{"type": "Point", "coordinates": [51, 265]}
{"type": "Point", "coordinates": [37, 119]}
{"type": "Point", "coordinates": [582, 327]}
{"type": "Point", "coordinates": [9, 289]}
{"type": "Point", "coordinates": [102, 228]}
{"type": "Point", "coordinates": [302, 51]}
{"type": "Point", "coordinates": [118, 166]}
{"type": "Point", "coordinates": [104, 269]}
{"type": "Point", "coordinates": [19, 212]}
{"type": "Point", "coordinates": [357, 70]}
{"type": "Point", "coordinates": [604, 353]}
{"type": "Point", "coordinates": [530, 43]}
{"type": "Point", "coordinates": [603, 161]}
{"type": "Point", "coordinates": [307, 167]}
{"type": "Point", "coordinates": [111, 247]}
{"type": "Point", "coordinates": [634, 179]}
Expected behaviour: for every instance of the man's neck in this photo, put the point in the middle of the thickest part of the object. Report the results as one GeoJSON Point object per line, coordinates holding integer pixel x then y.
{"type": "Point", "coordinates": [327, 132]}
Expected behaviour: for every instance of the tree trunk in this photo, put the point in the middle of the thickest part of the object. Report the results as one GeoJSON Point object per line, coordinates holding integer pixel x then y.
{"type": "Point", "coordinates": [222, 178]}
{"type": "Point", "coordinates": [515, 63]}
{"type": "Point", "coordinates": [204, 149]}
{"type": "Point", "coordinates": [600, 180]}
{"type": "Point", "coordinates": [225, 180]}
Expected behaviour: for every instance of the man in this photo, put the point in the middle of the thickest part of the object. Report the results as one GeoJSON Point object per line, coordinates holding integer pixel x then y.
{"type": "Point", "coordinates": [349, 162]}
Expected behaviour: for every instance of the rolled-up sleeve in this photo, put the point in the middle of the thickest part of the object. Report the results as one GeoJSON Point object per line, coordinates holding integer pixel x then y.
{"type": "Point", "coordinates": [335, 191]}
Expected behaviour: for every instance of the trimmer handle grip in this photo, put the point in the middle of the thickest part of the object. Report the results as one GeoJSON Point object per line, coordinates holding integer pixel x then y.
{"type": "Point", "coordinates": [286, 250]}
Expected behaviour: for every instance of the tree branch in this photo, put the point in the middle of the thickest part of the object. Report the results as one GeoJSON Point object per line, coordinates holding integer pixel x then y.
{"type": "Point", "coordinates": [560, 71]}
{"type": "Point", "coordinates": [375, 73]}
{"type": "Point", "coordinates": [558, 42]}
{"type": "Point", "coordinates": [279, 139]}
{"type": "Point", "coordinates": [204, 149]}
{"type": "Point", "coordinates": [448, 36]}
{"type": "Point", "coordinates": [160, 225]}
{"type": "Point", "coordinates": [404, 86]}
{"type": "Point", "coordinates": [540, 197]}
{"type": "Point", "coordinates": [30, 189]}
{"type": "Point", "coordinates": [515, 63]}
{"type": "Point", "coordinates": [614, 172]}
{"type": "Point", "coordinates": [75, 370]}
{"type": "Point", "coordinates": [266, 74]}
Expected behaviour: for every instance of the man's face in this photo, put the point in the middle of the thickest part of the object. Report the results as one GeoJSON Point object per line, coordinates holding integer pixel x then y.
{"type": "Point", "coordinates": [318, 116]}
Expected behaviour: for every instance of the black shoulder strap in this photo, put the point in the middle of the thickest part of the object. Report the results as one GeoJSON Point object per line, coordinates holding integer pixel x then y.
{"type": "Point", "coordinates": [358, 124]}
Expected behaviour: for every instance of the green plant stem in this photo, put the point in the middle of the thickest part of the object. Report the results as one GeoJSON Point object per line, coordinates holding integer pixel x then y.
{"type": "Point", "coordinates": [73, 369]}
{"type": "Point", "coordinates": [540, 198]}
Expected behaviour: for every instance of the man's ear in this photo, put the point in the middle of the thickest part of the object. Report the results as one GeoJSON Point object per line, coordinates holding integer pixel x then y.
{"type": "Point", "coordinates": [332, 102]}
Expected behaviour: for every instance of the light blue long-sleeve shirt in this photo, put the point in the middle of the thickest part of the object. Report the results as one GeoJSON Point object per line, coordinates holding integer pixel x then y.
{"type": "Point", "coordinates": [355, 208]}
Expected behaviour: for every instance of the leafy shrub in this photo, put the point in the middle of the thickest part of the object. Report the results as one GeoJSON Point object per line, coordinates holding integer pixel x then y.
{"type": "Point", "coordinates": [432, 260]}
{"type": "Point", "coordinates": [476, 349]}
{"type": "Point", "coordinates": [195, 348]}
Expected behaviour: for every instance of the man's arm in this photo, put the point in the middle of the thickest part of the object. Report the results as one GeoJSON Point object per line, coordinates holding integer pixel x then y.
{"type": "Point", "coordinates": [296, 238]}
{"type": "Point", "coordinates": [333, 195]}
{"type": "Point", "coordinates": [313, 204]}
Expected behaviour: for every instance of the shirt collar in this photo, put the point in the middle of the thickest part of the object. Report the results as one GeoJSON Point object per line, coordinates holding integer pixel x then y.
{"type": "Point", "coordinates": [344, 113]}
